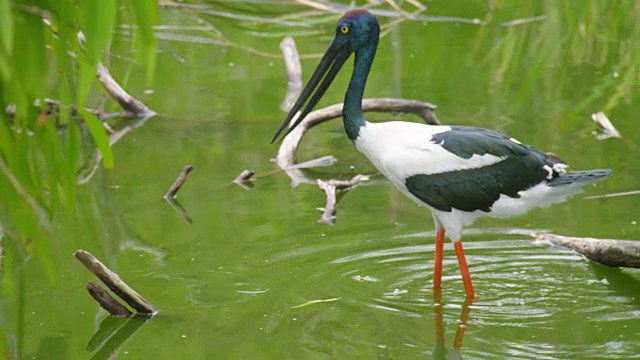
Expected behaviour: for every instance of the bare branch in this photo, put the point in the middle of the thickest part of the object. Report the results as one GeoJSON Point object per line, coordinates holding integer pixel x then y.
{"type": "Point", "coordinates": [287, 151]}
{"type": "Point", "coordinates": [173, 190]}
{"type": "Point", "coordinates": [330, 187]}
{"type": "Point", "coordinates": [134, 108]}
{"type": "Point", "coordinates": [329, 213]}
{"type": "Point", "coordinates": [348, 184]}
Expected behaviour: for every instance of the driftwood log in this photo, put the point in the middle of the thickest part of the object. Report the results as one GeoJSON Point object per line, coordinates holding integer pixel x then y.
{"type": "Point", "coordinates": [610, 252]}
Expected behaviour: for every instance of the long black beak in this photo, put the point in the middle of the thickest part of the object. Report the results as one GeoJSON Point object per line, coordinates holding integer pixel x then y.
{"type": "Point", "coordinates": [327, 69]}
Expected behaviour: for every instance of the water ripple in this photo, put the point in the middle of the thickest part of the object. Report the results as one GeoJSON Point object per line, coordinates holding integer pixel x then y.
{"type": "Point", "coordinates": [533, 301]}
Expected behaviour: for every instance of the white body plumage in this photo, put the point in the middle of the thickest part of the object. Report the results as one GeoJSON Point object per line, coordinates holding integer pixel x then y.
{"type": "Point", "coordinates": [400, 150]}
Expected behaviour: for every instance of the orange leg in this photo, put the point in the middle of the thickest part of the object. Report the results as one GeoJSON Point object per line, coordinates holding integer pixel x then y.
{"type": "Point", "coordinates": [464, 269]}
{"type": "Point", "coordinates": [437, 266]}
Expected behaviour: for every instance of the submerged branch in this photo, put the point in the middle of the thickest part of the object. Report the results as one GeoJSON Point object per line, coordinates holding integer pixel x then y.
{"type": "Point", "coordinates": [330, 187]}
{"type": "Point", "coordinates": [173, 190]}
{"type": "Point", "coordinates": [610, 252]}
{"type": "Point", "coordinates": [298, 176]}
{"type": "Point", "coordinates": [115, 284]}
{"type": "Point", "coordinates": [243, 179]}
{"type": "Point", "coordinates": [106, 301]}
{"type": "Point", "coordinates": [133, 107]}
{"type": "Point", "coordinates": [348, 184]}
{"type": "Point", "coordinates": [329, 211]}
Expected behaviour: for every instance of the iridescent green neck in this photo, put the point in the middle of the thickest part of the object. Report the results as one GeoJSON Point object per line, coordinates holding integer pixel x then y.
{"type": "Point", "coordinates": [352, 112]}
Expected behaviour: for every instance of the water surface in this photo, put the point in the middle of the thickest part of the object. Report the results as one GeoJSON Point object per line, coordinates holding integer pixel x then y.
{"type": "Point", "coordinates": [233, 279]}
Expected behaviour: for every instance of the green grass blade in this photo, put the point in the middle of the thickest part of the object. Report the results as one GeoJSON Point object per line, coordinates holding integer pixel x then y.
{"type": "Point", "coordinates": [6, 27]}
{"type": "Point", "coordinates": [99, 137]}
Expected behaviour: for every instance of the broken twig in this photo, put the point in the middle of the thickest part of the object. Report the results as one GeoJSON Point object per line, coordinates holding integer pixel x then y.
{"type": "Point", "coordinates": [244, 177]}
{"type": "Point", "coordinates": [173, 190]}
{"type": "Point", "coordinates": [348, 184]}
{"type": "Point", "coordinates": [115, 284]}
{"type": "Point", "coordinates": [608, 130]}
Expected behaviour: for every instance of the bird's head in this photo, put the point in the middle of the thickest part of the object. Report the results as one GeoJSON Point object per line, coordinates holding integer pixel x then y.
{"type": "Point", "coordinates": [356, 30]}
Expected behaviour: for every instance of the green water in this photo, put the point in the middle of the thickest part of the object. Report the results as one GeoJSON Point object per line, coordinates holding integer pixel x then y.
{"type": "Point", "coordinates": [228, 282]}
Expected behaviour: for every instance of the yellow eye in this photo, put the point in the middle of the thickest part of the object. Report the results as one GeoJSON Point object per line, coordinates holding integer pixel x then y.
{"type": "Point", "coordinates": [344, 29]}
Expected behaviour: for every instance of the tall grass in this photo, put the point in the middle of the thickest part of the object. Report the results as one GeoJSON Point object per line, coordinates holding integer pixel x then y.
{"type": "Point", "coordinates": [598, 35]}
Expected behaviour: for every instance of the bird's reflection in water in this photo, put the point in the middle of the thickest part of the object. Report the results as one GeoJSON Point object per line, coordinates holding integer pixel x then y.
{"type": "Point", "coordinates": [440, 350]}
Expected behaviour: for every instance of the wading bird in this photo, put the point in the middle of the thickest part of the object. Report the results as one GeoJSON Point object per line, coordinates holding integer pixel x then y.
{"type": "Point", "coordinates": [460, 173]}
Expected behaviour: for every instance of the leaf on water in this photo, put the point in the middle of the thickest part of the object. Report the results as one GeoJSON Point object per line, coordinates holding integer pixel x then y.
{"type": "Point", "coordinates": [312, 302]}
